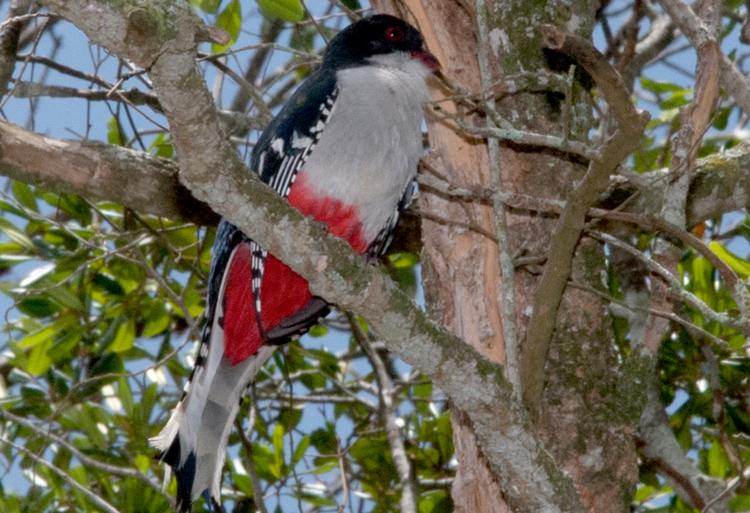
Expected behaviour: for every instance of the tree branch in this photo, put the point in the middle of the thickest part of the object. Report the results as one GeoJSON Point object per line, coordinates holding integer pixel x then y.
{"type": "Point", "coordinates": [409, 491]}
{"type": "Point", "coordinates": [9, 37]}
{"type": "Point", "coordinates": [132, 96]}
{"type": "Point", "coordinates": [697, 33]}
{"type": "Point", "coordinates": [101, 171]}
{"type": "Point", "coordinates": [631, 124]}
{"type": "Point", "coordinates": [721, 183]}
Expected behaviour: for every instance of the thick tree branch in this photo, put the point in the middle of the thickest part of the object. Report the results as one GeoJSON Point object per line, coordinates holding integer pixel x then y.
{"type": "Point", "coordinates": [721, 182]}
{"type": "Point", "coordinates": [565, 239]}
{"type": "Point", "coordinates": [99, 171]}
{"type": "Point", "coordinates": [334, 271]}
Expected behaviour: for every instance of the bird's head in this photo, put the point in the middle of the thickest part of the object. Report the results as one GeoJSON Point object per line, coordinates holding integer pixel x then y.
{"type": "Point", "coordinates": [373, 37]}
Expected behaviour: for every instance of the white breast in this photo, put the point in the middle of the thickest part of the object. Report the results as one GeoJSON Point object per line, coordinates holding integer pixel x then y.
{"type": "Point", "coordinates": [370, 147]}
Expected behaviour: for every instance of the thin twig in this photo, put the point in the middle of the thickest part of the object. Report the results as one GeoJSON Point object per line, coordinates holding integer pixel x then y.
{"type": "Point", "coordinates": [86, 460]}
{"type": "Point", "coordinates": [132, 96]}
{"type": "Point", "coordinates": [674, 283]}
{"type": "Point", "coordinates": [264, 113]}
{"type": "Point", "coordinates": [694, 329]}
{"type": "Point", "coordinates": [258, 498]}
{"type": "Point", "coordinates": [344, 478]}
{"type": "Point", "coordinates": [98, 501]}
{"type": "Point", "coordinates": [409, 493]}
{"type": "Point", "coordinates": [507, 268]}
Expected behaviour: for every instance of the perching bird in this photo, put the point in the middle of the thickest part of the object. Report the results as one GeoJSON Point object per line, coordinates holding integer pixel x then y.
{"type": "Point", "coordinates": [344, 150]}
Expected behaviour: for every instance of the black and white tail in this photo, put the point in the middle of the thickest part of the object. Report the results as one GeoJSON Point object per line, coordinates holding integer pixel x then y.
{"type": "Point", "coordinates": [195, 438]}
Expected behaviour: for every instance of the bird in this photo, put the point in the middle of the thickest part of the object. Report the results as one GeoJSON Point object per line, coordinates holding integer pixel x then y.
{"type": "Point", "coordinates": [344, 150]}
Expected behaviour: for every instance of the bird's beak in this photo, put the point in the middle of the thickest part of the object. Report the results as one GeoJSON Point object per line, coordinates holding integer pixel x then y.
{"type": "Point", "coordinates": [427, 58]}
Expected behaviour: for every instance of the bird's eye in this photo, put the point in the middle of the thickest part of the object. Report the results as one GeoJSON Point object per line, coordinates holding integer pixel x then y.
{"type": "Point", "coordinates": [394, 34]}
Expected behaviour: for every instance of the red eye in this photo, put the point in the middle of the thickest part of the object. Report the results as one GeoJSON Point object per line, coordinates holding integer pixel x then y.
{"type": "Point", "coordinates": [394, 34]}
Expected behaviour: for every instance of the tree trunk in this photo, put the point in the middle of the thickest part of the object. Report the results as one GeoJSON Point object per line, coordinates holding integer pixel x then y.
{"type": "Point", "coordinates": [578, 420]}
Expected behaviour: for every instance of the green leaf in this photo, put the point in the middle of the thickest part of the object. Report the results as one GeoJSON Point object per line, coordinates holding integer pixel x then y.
{"type": "Point", "coordinates": [702, 277]}
{"type": "Point", "coordinates": [317, 500]}
{"type": "Point", "coordinates": [126, 396]}
{"type": "Point", "coordinates": [243, 484]}
{"type": "Point", "coordinates": [63, 348]}
{"type": "Point", "coordinates": [109, 283]}
{"type": "Point", "coordinates": [738, 265]}
{"type": "Point", "coordinates": [643, 493]}
{"type": "Point", "coordinates": [142, 462]}
{"type": "Point", "coordinates": [263, 461]}
{"type": "Point", "coordinates": [39, 362]}
{"type": "Point", "coordinates": [75, 206]}
{"type": "Point", "coordinates": [46, 286]}
{"type": "Point", "coordinates": [324, 440]}
{"type": "Point", "coordinates": [10, 251]}
{"type": "Point", "coordinates": [114, 132]}
{"type": "Point", "coordinates": [124, 337]}
{"type": "Point", "coordinates": [162, 145]}
{"type": "Point", "coordinates": [61, 294]}
{"type": "Point", "coordinates": [444, 436]}
{"type": "Point", "coordinates": [157, 321]}
{"type": "Point", "coordinates": [325, 467]}
{"type": "Point", "coordinates": [403, 260]}
{"type": "Point", "coordinates": [230, 20]}
{"type": "Point", "coordinates": [302, 446]}
{"type": "Point", "coordinates": [278, 451]}
{"type": "Point", "coordinates": [37, 338]}
{"type": "Point", "coordinates": [48, 332]}
{"type": "Point", "coordinates": [318, 331]}
{"type": "Point", "coordinates": [717, 461]}
{"type": "Point", "coordinates": [658, 87]}
{"type": "Point", "coordinates": [16, 235]}
{"type": "Point", "coordinates": [25, 196]}
{"type": "Point", "coordinates": [435, 501]}
{"type": "Point", "coordinates": [287, 10]}
{"type": "Point", "coordinates": [354, 5]}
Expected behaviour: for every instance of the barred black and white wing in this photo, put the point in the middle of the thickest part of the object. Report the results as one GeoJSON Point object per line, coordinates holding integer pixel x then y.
{"type": "Point", "coordinates": [384, 238]}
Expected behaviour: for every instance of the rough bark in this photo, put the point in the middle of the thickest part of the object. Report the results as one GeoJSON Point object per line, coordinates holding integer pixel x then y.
{"type": "Point", "coordinates": [578, 421]}
{"type": "Point", "coordinates": [462, 277]}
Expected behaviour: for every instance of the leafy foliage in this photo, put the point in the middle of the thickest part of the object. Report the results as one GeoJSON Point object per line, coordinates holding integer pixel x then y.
{"type": "Point", "coordinates": [104, 305]}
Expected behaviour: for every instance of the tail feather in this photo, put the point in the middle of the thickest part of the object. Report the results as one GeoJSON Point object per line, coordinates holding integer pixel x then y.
{"type": "Point", "coordinates": [184, 474]}
{"type": "Point", "coordinates": [219, 412]}
{"type": "Point", "coordinates": [194, 440]}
